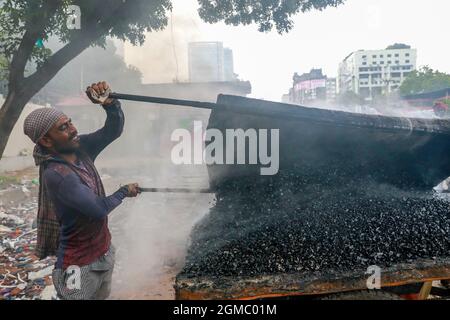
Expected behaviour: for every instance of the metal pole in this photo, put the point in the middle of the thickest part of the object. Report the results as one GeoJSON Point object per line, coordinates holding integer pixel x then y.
{"type": "Point", "coordinates": [175, 190]}
{"type": "Point", "coordinates": [177, 102]}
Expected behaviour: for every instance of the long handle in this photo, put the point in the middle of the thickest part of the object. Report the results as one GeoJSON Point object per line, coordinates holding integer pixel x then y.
{"type": "Point", "coordinates": [175, 190]}
{"type": "Point", "coordinates": [177, 102]}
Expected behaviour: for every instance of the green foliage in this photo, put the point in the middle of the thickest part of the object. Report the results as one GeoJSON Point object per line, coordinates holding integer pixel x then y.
{"type": "Point", "coordinates": [18, 16]}
{"type": "Point", "coordinates": [425, 80]}
{"type": "Point", "coordinates": [266, 13]}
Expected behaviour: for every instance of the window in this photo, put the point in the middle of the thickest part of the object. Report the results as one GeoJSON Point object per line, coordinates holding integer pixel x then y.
{"type": "Point", "coordinates": [364, 63]}
{"type": "Point", "coordinates": [374, 56]}
{"type": "Point", "coordinates": [381, 56]}
{"type": "Point", "coordinates": [364, 57]}
{"type": "Point", "coordinates": [407, 61]}
{"type": "Point", "coordinates": [389, 55]}
{"type": "Point", "coordinates": [397, 55]}
{"type": "Point", "coordinates": [374, 63]}
{"type": "Point", "coordinates": [389, 62]}
{"type": "Point", "coordinates": [407, 54]}
{"type": "Point", "coordinates": [396, 75]}
{"type": "Point", "coordinates": [397, 62]}
{"type": "Point", "coordinates": [382, 62]}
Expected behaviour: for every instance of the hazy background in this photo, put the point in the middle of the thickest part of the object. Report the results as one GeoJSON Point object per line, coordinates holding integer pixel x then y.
{"type": "Point", "coordinates": [318, 40]}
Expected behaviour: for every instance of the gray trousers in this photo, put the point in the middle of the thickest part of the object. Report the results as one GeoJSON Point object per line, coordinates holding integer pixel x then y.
{"type": "Point", "coordinates": [91, 282]}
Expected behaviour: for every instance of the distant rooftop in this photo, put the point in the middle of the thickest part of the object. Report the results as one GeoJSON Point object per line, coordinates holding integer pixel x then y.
{"type": "Point", "coordinates": [398, 46]}
{"type": "Point", "coordinates": [395, 46]}
{"type": "Point", "coordinates": [312, 75]}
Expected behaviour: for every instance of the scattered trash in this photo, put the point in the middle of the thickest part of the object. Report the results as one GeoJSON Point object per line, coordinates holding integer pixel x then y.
{"type": "Point", "coordinates": [22, 275]}
{"type": "Point", "coordinates": [40, 274]}
{"type": "Point", "coordinates": [9, 244]}
{"type": "Point", "coordinates": [4, 229]}
{"type": "Point", "coordinates": [11, 217]}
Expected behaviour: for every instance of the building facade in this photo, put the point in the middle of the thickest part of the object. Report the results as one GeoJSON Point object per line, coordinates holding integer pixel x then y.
{"type": "Point", "coordinates": [375, 72]}
{"type": "Point", "coordinates": [312, 87]}
{"type": "Point", "coordinates": [210, 62]}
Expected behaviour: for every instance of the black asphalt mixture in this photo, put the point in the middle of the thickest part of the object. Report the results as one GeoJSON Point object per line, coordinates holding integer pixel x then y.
{"type": "Point", "coordinates": [288, 224]}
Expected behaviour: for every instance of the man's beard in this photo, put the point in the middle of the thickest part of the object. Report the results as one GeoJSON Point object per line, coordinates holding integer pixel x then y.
{"type": "Point", "coordinates": [66, 148]}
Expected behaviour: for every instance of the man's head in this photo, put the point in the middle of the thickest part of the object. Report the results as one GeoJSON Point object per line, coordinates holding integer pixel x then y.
{"type": "Point", "coordinates": [53, 130]}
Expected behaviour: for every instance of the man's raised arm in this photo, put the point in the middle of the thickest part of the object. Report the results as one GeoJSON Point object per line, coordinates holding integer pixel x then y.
{"type": "Point", "coordinates": [96, 142]}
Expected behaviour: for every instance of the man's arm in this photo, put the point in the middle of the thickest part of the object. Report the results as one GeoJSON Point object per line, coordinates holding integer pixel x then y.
{"type": "Point", "coordinates": [96, 142]}
{"type": "Point", "coordinates": [71, 192]}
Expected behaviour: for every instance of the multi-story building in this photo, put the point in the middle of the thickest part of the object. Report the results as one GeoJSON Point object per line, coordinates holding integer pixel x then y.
{"type": "Point", "coordinates": [210, 62]}
{"type": "Point", "coordinates": [312, 86]}
{"type": "Point", "coordinates": [374, 72]}
{"type": "Point", "coordinates": [331, 89]}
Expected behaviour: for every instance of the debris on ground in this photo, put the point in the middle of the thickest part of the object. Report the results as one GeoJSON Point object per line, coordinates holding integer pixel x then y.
{"type": "Point", "coordinates": [22, 275]}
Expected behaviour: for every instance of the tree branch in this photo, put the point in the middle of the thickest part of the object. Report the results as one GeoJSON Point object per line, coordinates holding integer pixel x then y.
{"type": "Point", "coordinates": [34, 29]}
{"type": "Point", "coordinates": [78, 43]}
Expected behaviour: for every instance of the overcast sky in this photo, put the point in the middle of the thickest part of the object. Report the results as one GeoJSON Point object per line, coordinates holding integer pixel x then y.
{"type": "Point", "coordinates": [318, 40]}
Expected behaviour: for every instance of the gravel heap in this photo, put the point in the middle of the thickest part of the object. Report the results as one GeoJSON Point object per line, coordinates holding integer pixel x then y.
{"type": "Point", "coordinates": [287, 224]}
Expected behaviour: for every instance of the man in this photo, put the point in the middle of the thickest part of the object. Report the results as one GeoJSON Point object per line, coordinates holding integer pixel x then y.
{"type": "Point", "coordinates": [73, 208]}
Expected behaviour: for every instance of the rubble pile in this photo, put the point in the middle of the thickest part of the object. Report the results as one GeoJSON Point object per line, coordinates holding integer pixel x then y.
{"type": "Point", "coordinates": [22, 274]}
{"type": "Point", "coordinates": [288, 224]}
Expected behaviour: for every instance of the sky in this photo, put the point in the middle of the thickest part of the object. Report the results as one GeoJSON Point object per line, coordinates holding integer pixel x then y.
{"type": "Point", "coordinates": [320, 39]}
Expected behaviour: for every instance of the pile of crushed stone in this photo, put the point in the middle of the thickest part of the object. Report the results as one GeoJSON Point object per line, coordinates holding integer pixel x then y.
{"type": "Point", "coordinates": [288, 224]}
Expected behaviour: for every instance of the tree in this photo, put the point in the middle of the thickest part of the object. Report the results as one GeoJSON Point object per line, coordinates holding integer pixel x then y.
{"type": "Point", "coordinates": [3, 74]}
{"type": "Point", "coordinates": [3, 67]}
{"type": "Point", "coordinates": [25, 25]}
{"type": "Point", "coordinates": [265, 13]}
{"type": "Point", "coordinates": [425, 80]}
